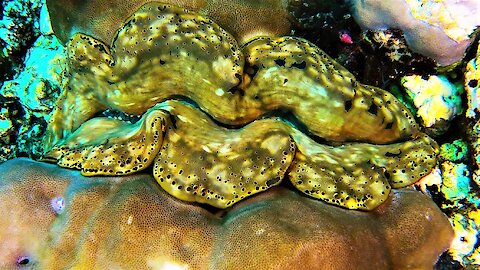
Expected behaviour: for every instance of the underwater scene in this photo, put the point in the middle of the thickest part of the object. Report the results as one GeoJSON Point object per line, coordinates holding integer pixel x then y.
{"type": "Point", "coordinates": [239, 134]}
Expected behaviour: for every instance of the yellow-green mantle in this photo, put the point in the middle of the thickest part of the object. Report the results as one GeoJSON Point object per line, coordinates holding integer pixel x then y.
{"type": "Point", "coordinates": [226, 148]}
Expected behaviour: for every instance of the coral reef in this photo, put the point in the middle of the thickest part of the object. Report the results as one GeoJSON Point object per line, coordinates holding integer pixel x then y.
{"type": "Point", "coordinates": [454, 188]}
{"type": "Point", "coordinates": [7, 131]}
{"type": "Point", "coordinates": [35, 86]}
{"type": "Point", "coordinates": [464, 247]}
{"type": "Point", "coordinates": [456, 181]}
{"type": "Point", "coordinates": [455, 151]}
{"type": "Point", "coordinates": [395, 48]}
{"type": "Point", "coordinates": [375, 57]}
{"type": "Point", "coordinates": [437, 29]}
{"type": "Point", "coordinates": [18, 30]}
{"type": "Point", "coordinates": [242, 18]}
{"type": "Point", "coordinates": [21, 134]}
{"type": "Point", "coordinates": [28, 98]}
{"type": "Point", "coordinates": [438, 100]}
{"type": "Point", "coordinates": [146, 227]}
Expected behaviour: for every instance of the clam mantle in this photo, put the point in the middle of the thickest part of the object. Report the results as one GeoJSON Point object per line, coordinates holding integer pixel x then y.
{"type": "Point", "coordinates": [348, 145]}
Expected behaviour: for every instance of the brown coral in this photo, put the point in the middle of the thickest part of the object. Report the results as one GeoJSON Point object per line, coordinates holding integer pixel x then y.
{"type": "Point", "coordinates": [131, 223]}
{"type": "Point", "coordinates": [103, 18]}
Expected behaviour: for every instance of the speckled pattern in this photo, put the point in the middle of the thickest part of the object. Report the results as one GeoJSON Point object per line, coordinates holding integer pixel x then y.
{"type": "Point", "coordinates": [197, 160]}
{"type": "Point", "coordinates": [200, 161]}
{"type": "Point", "coordinates": [104, 222]}
{"type": "Point", "coordinates": [164, 52]}
{"type": "Point", "coordinates": [294, 74]}
{"type": "Point", "coordinates": [204, 63]}
{"type": "Point", "coordinates": [112, 147]}
{"type": "Point", "coordinates": [101, 19]}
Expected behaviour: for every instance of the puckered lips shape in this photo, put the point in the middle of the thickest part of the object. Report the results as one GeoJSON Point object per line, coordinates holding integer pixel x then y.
{"type": "Point", "coordinates": [225, 148]}
{"type": "Point", "coordinates": [196, 160]}
{"type": "Point", "coordinates": [129, 222]}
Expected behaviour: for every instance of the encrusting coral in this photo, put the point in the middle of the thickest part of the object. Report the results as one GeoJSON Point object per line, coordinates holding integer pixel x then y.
{"type": "Point", "coordinates": [164, 52]}
{"type": "Point", "coordinates": [79, 221]}
{"type": "Point", "coordinates": [18, 31]}
{"type": "Point", "coordinates": [437, 99]}
{"type": "Point", "coordinates": [472, 78]}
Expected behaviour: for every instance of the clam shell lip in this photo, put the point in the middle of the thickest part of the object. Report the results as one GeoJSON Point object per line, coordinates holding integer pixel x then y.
{"type": "Point", "coordinates": [195, 159]}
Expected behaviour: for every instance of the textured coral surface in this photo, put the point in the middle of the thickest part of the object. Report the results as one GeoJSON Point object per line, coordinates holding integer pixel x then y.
{"type": "Point", "coordinates": [131, 223]}
{"type": "Point", "coordinates": [472, 78]}
{"type": "Point", "coordinates": [242, 18]}
{"type": "Point", "coordinates": [18, 31]}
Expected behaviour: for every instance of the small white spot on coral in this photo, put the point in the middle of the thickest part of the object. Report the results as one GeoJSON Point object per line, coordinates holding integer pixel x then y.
{"type": "Point", "coordinates": [58, 204]}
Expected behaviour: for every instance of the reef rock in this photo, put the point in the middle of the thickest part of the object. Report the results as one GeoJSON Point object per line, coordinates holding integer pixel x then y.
{"type": "Point", "coordinates": [18, 31]}
{"type": "Point", "coordinates": [54, 218]}
{"type": "Point", "coordinates": [437, 99]}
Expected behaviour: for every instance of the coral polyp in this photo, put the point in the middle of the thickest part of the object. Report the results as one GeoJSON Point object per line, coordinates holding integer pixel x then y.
{"type": "Point", "coordinates": [227, 143]}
